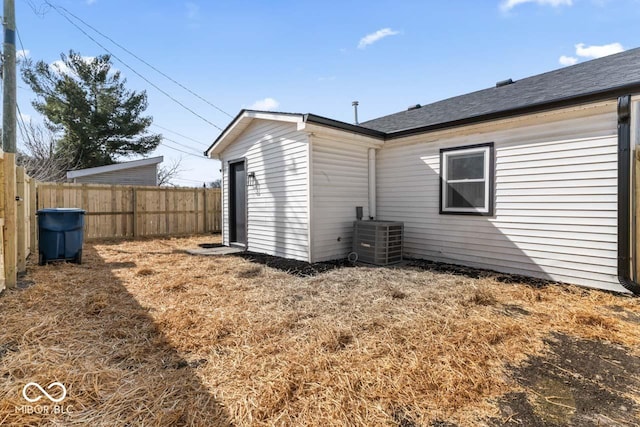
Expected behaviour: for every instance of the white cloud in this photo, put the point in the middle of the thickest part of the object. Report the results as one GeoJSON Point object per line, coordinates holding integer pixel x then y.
{"type": "Point", "coordinates": [507, 5]}
{"type": "Point", "coordinates": [591, 52]}
{"type": "Point", "coordinates": [598, 51]}
{"type": "Point", "coordinates": [61, 68]}
{"type": "Point", "coordinates": [326, 78]}
{"type": "Point", "coordinates": [374, 37]}
{"type": "Point", "coordinates": [25, 118]}
{"type": "Point", "coordinates": [567, 60]}
{"type": "Point", "coordinates": [266, 104]}
{"type": "Point", "coordinates": [22, 54]}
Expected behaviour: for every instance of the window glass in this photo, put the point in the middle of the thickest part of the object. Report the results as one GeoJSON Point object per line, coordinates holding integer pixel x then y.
{"type": "Point", "coordinates": [465, 166]}
{"type": "Point", "coordinates": [466, 194]}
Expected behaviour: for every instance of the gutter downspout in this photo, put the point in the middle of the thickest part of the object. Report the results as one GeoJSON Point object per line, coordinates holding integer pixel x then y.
{"type": "Point", "coordinates": [624, 195]}
{"type": "Point", "coordinates": [372, 183]}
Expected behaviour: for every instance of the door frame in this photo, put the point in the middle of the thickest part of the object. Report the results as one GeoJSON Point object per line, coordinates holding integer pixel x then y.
{"type": "Point", "coordinates": [231, 197]}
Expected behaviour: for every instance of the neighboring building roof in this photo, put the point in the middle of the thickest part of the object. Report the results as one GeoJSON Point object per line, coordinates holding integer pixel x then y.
{"type": "Point", "coordinates": [590, 78]}
{"type": "Point", "coordinates": [115, 167]}
{"type": "Point", "coordinates": [590, 81]}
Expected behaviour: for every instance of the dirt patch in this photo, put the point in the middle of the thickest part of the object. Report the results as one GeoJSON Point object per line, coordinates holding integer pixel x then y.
{"type": "Point", "coordinates": [210, 245]}
{"type": "Point", "coordinates": [514, 310]}
{"type": "Point", "coordinates": [293, 266]}
{"type": "Point", "coordinates": [476, 273]}
{"type": "Point", "coordinates": [622, 313]}
{"type": "Point", "coordinates": [306, 269]}
{"type": "Point", "coordinates": [577, 382]}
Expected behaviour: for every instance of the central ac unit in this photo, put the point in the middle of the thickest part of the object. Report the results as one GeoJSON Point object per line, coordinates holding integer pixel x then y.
{"type": "Point", "coordinates": [378, 242]}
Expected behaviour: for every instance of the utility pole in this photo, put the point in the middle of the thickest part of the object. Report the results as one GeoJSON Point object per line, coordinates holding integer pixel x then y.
{"type": "Point", "coordinates": [9, 143]}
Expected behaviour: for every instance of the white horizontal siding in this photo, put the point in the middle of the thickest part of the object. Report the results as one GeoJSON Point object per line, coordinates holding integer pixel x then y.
{"type": "Point", "coordinates": [340, 183]}
{"type": "Point", "coordinates": [278, 205]}
{"type": "Point", "coordinates": [555, 201]}
{"type": "Point", "coordinates": [142, 175]}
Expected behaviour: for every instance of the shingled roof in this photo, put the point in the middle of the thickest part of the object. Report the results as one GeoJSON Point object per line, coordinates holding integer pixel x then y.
{"type": "Point", "coordinates": [590, 79]}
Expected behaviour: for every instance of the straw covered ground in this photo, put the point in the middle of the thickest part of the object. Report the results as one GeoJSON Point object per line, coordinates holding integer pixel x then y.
{"type": "Point", "coordinates": [144, 334]}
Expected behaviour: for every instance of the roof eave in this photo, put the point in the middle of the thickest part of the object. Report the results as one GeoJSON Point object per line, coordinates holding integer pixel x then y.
{"type": "Point", "coordinates": [595, 96]}
{"type": "Point", "coordinates": [323, 121]}
{"type": "Point", "coordinates": [528, 109]}
{"type": "Point", "coordinates": [114, 167]}
{"type": "Point", "coordinates": [218, 145]}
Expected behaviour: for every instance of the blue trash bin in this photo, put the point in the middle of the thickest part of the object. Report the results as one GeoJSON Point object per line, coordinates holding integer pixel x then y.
{"type": "Point", "coordinates": [60, 234]}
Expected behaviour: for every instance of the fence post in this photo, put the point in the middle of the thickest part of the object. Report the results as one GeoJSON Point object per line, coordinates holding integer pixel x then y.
{"type": "Point", "coordinates": [134, 199]}
{"type": "Point", "coordinates": [114, 204]}
{"type": "Point", "coordinates": [204, 210]}
{"type": "Point", "coordinates": [3, 281]}
{"type": "Point", "coordinates": [196, 209]}
{"type": "Point", "coordinates": [10, 226]}
{"type": "Point", "coordinates": [33, 220]}
{"type": "Point", "coordinates": [21, 241]}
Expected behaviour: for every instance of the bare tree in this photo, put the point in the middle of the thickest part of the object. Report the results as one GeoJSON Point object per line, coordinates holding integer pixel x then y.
{"type": "Point", "coordinates": [40, 158]}
{"type": "Point", "coordinates": [169, 172]}
{"type": "Point", "coordinates": [216, 184]}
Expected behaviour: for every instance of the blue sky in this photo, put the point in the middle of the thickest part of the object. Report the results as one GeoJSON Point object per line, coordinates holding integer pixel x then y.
{"type": "Point", "coordinates": [318, 57]}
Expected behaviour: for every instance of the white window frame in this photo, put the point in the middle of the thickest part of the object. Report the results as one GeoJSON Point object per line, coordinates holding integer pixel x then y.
{"type": "Point", "coordinates": [488, 176]}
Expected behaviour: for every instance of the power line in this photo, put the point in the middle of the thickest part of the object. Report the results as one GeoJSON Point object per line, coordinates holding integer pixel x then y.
{"type": "Point", "coordinates": [182, 145]}
{"type": "Point", "coordinates": [143, 61]}
{"type": "Point", "coordinates": [164, 143]}
{"type": "Point", "coordinates": [20, 39]}
{"type": "Point", "coordinates": [132, 69]}
{"type": "Point", "coordinates": [179, 134]}
{"type": "Point", "coordinates": [25, 133]}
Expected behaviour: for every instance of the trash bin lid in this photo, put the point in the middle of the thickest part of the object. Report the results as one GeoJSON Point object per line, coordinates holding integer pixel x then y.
{"type": "Point", "coordinates": [62, 210]}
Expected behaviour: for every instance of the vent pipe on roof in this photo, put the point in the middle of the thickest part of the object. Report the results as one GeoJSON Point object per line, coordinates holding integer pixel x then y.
{"type": "Point", "coordinates": [504, 83]}
{"type": "Point", "coordinates": [355, 110]}
{"type": "Point", "coordinates": [414, 107]}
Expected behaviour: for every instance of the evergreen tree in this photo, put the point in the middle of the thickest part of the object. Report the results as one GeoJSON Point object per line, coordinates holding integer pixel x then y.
{"type": "Point", "coordinates": [86, 102]}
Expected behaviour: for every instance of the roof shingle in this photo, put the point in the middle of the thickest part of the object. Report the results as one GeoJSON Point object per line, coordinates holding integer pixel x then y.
{"type": "Point", "coordinates": [597, 75]}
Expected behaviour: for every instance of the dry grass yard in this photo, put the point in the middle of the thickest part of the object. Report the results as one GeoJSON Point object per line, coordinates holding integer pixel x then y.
{"type": "Point", "coordinates": [144, 334]}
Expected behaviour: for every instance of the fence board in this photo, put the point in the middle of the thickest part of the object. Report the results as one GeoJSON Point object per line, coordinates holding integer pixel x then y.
{"type": "Point", "coordinates": [133, 211]}
{"type": "Point", "coordinates": [22, 217]}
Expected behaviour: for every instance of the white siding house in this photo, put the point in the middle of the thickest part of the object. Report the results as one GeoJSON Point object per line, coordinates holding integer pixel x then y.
{"type": "Point", "coordinates": [555, 197]}
{"type": "Point", "coordinates": [340, 184]}
{"type": "Point", "coordinates": [532, 177]}
{"type": "Point", "coordinates": [303, 183]}
{"type": "Point", "coordinates": [277, 208]}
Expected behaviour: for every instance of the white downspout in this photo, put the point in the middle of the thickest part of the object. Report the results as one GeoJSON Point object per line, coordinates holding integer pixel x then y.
{"type": "Point", "coordinates": [372, 183]}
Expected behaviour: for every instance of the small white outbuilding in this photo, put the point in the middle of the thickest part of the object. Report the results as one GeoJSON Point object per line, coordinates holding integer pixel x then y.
{"type": "Point", "coordinates": [134, 172]}
{"type": "Point", "coordinates": [530, 177]}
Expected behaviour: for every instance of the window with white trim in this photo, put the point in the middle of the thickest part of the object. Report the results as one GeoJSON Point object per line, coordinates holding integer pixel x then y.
{"type": "Point", "coordinates": [466, 177]}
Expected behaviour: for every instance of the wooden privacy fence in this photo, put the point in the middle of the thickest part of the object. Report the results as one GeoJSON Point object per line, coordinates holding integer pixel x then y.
{"type": "Point", "coordinates": [132, 211]}
{"type": "Point", "coordinates": [112, 211]}
{"type": "Point", "coordinates": [18, 245]}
